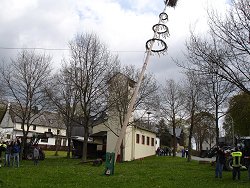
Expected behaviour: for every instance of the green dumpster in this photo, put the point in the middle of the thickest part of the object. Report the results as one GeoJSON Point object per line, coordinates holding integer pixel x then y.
{"type": "Point", "coordinates": [109, 164]}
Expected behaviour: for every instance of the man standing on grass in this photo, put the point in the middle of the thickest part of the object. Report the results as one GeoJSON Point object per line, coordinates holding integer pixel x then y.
{"type": "Point", "coordinates": [7, 154]}
{"type": "Point", "coordinates": [236, 163]}
{"type": "Point", "coordinates": [220, 161]}
{"type": "Point", "coordinates": [16, 152]}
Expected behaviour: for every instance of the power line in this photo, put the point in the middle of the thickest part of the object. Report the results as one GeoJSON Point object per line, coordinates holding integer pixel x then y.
{"type": "Point", "coordinates": [38, 48]}
{"type": "Point", "coordinates": [62, 49]}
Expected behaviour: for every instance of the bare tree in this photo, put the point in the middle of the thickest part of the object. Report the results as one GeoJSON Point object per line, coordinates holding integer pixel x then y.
{"type": "Point", "coordinates": [172, 105]}
{"type": "Point", "coordinates": [234, 30]}
{"type": "Point", "coordinates": [204, 124]}
{"type": "Point", "coordinates": [25, 79]}
{"type": "Point", "coordinates": [91, 66]}
{"type": "Point", "coordinates": [226, 46]}
{"type": "Point", "coordinates": [193, 103]}
{"type": "Point", "coordinates": [217, 91]}
{"type": "Point", "coordinates": [64, 96]}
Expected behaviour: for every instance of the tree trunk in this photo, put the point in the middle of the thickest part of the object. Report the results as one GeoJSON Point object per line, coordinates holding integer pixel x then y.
{"type": "Point", "coordinates": [201, 146]}
{"type": "Point", "coordinates": [174, 141]}
{"type": "Point", "coordinates": [121, 152]}
{"type": "Point", "coordinates": [69, 148]}
{"type": "Point", "coordinates": [190, 135]}
{"type": "Point", "coordinates": [85, 144]}
{"type": "Point", "coordinates": [217, 123]}
{"type": "Point", "coordinates": [68, 132]}
{"type": "Point", "coordinates": [23, 151]}
{"type": "Point", "coordinates": [56, 153]}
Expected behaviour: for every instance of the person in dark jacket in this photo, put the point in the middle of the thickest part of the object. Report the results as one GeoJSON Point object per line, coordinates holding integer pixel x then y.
{"type": "Point", "coordinates": [8, 154]}
{"type": "Point", "coordinates": [220, 161]}
{"type": "Point", "coordinates": [16, 150]}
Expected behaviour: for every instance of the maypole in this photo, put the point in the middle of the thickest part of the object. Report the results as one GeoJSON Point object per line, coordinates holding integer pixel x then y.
{"type": "Point", "coordinates": [160, 32]}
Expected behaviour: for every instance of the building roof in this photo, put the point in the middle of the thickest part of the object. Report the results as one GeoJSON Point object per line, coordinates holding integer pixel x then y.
{"type": "Point", "coordinates": [47, 119]}
{"type": "Point", "coordinates": [145, 129]}
{"type": "Point", "coordinates": [2, 111]}
{"type": "Point", "coordinates": [178, 132]}
{"type": "Point", "coordinates": [99, 134]}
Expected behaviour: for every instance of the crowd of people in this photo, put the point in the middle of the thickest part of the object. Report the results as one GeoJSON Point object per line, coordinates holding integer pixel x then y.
{"type": "Point", "coordinates": [165, 151]}
{"type": "Point", "coordinates": [11, 151]}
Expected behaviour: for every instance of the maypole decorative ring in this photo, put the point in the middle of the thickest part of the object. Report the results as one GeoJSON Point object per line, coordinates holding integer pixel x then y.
{"type": "Point", "coordinates": [162, 45]}
{"type": "Point", "coordinates": [161, 29]}
{"type": "Point", "coordinates": [163, 16]}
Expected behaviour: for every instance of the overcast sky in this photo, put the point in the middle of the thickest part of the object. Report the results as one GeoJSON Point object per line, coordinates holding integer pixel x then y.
{"type": "Point", "coordinates": [124, 25]}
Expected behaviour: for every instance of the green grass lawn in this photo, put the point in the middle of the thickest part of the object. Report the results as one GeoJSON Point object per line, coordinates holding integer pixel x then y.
{"type": "Point", "coordinates": [151, 172]}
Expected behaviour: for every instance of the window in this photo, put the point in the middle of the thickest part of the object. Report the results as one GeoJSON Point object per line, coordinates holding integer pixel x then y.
{"type": "Point", "coordinates": [147, 140]}
{"type": "Point", "coordinates": [137, 138]}
{"type": "Point", "coordinates": [34, 127]}
{"type": "Point", "coordinates": [143, 139]}
{"type": "Point", "coordinates": [49, 130]}
{"type": "Point", "coordinates": [58, 142]}
{"type": "Point", "coordinates": [64, 141]}
{"type": "Point", "coordinates": [8, 136]}
{"type": "Point", "coordinates": [45, 140]}
{"type": "Point", "coordinates": [58, 131]}
{"type": "Point", "coordinates": [152, 141]}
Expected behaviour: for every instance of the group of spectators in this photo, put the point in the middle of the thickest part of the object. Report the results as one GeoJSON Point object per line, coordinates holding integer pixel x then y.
{"type": "Point", "coordinates": [165, 151]}
{"type": "Point", "coordinates": [12, 153]}
{"type": "Point", "coordinates": [184, 152]}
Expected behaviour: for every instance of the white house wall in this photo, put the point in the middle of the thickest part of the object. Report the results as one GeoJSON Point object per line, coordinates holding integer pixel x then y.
{"type": "Point", "coordinates": [157, 143]}
{"type": "Point", "coordinates": [51, 142]}
{"type": "Point", "coordinates": [111, 141]}
{"type": "Point", "coordinates": [99, 128]}
{"type": "Point", "coordinates": [16, 131]}
{"type": "Point", "coordinates": [5, 133]}
{"type": "Point", "coordinates": [41, 129]}
{"type": "Point", "coordinates": [144, 150]}
{"type": "Point", "coordinates": [133, 150]}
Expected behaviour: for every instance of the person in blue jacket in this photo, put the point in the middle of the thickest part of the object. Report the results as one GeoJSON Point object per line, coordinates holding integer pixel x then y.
{"type": "Point", "coordinates": [16, 151]}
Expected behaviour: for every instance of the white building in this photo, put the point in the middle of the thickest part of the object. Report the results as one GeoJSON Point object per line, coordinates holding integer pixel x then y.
{"type": "Point", "coordinates": [11, 128]}
{"type": "Point", "coordinates": [138, 142]}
